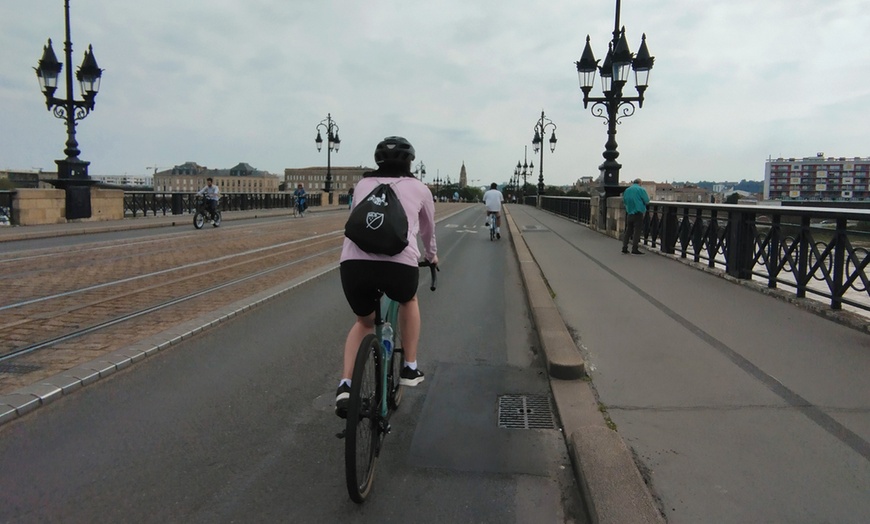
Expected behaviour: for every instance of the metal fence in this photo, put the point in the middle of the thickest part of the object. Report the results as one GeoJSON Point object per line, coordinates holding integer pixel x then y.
{"type": "Point", "coordinates": [143, 203]}
{"type": "Point", "coordinates": [6, 208]}
{"type": "Point", "coordinates": [819, 252]}
{"type": "Point", "coordinates": [573, 208]}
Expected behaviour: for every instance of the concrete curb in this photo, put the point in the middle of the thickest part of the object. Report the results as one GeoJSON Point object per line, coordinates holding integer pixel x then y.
{"type": "Point", "coordinates": [610, 482]}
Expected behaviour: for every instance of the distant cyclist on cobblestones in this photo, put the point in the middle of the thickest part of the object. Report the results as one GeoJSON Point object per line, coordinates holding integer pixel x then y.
{"type": "Point", "coordinates": [301, 199]}
{"type": "Point", "coordinates": [212, 195]}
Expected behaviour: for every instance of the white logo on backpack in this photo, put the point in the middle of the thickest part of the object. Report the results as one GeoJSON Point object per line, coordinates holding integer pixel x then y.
{"type": "Point", "coordinates": [374, 220]}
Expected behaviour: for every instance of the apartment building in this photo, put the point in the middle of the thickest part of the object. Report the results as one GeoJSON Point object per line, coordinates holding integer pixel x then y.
{"type": "Point", "coordinates": [190, 176]}
{"type": "Point", "coordinates": [314, 178]}
{"type": "Point", "coordinates": [817, 178]}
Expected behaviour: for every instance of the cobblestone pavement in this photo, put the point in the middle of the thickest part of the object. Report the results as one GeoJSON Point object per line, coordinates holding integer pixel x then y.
{"type": "Point", "coordinates": [51, 292]}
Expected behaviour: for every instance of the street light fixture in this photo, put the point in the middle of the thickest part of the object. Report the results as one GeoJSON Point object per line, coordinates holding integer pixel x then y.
{"type": "Point", "coordinates": [420, 170]}
{"type": "Point", "coordinates": [525, 170]}
{"type": "Point", "coordinates": [72, 172]}
{"type": "Point", "coordinates": [613, 106]}
{"type": "Point", "coordinates": [333, 143]}
{"type": "Point", "coordinates": [541, 127]}
{"type": "Point", "coordinates": [438, 185]}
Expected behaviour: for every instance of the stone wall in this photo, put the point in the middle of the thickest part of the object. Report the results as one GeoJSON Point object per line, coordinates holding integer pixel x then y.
{"type": "Point", "coordinates": [38, 206]}
{"type": "Point", "coordinates": [106, 204]}
{"type": "Point", "coordinates": [32, 207]}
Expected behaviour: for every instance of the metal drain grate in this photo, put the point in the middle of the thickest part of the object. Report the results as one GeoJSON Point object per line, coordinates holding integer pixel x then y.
{"type": "Point", "coordinates": [525, 412]}
{"type": "Point", "coordinates": [18, 369]}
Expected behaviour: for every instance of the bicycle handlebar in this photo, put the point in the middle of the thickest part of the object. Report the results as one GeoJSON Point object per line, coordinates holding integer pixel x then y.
{"type": "Point", "coordinates": [433, 268]}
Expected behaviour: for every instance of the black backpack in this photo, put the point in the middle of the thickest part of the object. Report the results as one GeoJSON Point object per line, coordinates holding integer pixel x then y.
{"type": "Point", "coordinates": [378, 223]}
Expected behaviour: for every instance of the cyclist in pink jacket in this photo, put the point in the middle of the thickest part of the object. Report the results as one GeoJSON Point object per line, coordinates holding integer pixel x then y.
{"type": "Point", "coordinates": [364, 274]}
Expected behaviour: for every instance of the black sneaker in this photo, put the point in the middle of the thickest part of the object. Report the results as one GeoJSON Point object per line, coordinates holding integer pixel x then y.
{"type": "Point", "coordinates": [625, 250]}
{"type": "Point", "coordinates": [498, 235]}
{"type": "Point", "coordinates": [342, 397]}
{"type": "Point", "coordinates": [636, 252]}
{"type": "Point", "coordinates": [410, 377]}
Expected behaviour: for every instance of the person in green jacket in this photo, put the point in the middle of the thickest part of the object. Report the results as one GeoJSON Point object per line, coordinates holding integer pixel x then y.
{"type": "Point", "coordinates": [636, 200]}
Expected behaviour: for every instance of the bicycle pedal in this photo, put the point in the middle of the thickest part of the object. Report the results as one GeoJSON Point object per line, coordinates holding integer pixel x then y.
{"type": "Point", "coordinates": [341, 434]}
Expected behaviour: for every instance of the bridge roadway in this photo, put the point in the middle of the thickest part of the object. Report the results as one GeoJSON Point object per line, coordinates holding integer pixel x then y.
{"type": "Point", "coordinates": [733, 405]}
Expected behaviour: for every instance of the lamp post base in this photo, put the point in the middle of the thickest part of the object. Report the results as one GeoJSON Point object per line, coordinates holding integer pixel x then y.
{"type": "Point", "coordinates": [73, 179]}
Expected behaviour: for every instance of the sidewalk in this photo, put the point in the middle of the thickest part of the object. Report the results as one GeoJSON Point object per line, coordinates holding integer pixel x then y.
{"type": "Point", "coordinates": [737, 407]}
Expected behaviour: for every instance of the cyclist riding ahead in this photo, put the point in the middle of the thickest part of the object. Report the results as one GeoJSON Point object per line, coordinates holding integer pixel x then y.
{"type": "Point", "coordinates": [212, 195]}
{"type": "Point", "coordinates": [364, 275]}
{"type": "Point", "coordinates": [493, 199]}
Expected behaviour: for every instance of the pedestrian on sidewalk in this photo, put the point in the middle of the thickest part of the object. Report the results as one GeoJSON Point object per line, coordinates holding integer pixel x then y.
{"type": "Point", "coordinates": [635, 199]}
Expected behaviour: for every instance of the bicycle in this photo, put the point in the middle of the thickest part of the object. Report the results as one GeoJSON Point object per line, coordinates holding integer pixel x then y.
{"type": "Point", "coordinates": [375, 393]}
{"type": "Point", "coordinates": [493, 223]}
{"type": "Point", "coordinates": [202, 214]}
{"type": "Point", "coordinates": [299, 207]}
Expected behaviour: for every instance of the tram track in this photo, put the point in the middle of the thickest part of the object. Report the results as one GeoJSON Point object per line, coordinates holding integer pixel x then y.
{"type": "Point", "coordinates": [151, 309]}
{"type": "Point", "coordinates": [70, 306]}
{"type": "Point", "coordinates": [44, 333]}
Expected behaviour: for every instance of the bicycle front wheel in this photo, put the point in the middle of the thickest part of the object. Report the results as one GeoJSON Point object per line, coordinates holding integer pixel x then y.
{"type": "Point", "coordinates": [198, 220]}
{"type": "Point", "coordinates": [363, 418]}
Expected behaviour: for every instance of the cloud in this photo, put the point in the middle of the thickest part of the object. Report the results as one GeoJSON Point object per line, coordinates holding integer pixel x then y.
{"type": "Point", "coordinates": [223, 82]}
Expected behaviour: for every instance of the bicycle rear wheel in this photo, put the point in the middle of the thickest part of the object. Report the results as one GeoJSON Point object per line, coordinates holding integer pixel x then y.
{"type": "Point", "coordinates": [363, 418]}
{"type": "Point", "coordinates": [397, 360]}
{"type": "Point", "coordinates": [217, 219]}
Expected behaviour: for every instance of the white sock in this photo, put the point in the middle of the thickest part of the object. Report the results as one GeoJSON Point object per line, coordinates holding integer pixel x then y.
{"type": "Point", "coordinates": [497, 229]}
{"type": "Point", "coordinates": [344, 381]}
{"type": "Point", "coordinates": [412, 365]}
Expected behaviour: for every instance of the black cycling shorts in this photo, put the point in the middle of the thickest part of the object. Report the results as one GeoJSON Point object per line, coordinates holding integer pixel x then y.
{"type": "Point", "coordinates": [363, 282]}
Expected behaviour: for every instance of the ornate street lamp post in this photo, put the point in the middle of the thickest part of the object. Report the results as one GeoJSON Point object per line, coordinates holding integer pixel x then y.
{"type": "Point", "coordinates": [540, 129]}
{"type": "Point", "coordinates": [525, 170]}
{"type": "Point", "coordinates": [613, 106]}
{"type": "Point", "coordinates": [420, 170]}
{"type": "Point", "coordinates": [333, 143]}
{"type": "Point", "coordinates": [438, 185]}
{"type": "Point", "coordinates": [72, 173]}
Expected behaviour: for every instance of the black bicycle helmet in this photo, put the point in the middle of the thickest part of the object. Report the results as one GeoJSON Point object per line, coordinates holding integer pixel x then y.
{"type": "Point", "coordinates": [394, 149]}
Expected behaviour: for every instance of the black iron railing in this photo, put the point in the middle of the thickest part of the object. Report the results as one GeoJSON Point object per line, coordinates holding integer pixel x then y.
{"type": "Point", "coordinates": [145, 203]}
{"type": "Point", "coordinates": [6, 198]}
{"type": "Point", "coordinates": [815, 251]}
{"type": "Point", "coordinates": [573, 208]}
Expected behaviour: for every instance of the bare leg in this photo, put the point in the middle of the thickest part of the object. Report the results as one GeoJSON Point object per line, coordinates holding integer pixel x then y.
{"type": "Point", "coordinates": [409, 324]}
{"type": "Point", "coordinates": [362, 327]}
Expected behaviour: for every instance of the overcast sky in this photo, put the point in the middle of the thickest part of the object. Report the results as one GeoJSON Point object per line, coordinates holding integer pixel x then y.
{"type": "Point", "coordinates": [220, 82]}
